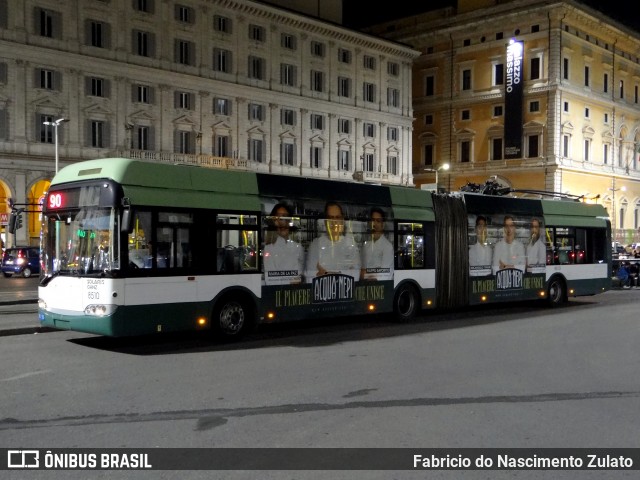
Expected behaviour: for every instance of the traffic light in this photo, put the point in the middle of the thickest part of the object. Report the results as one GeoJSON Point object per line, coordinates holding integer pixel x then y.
{"type": "Point", "coordinates": [15, 220]}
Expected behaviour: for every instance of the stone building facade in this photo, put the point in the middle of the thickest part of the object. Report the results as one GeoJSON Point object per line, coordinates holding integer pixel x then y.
{"type": "Point", "coordinates": [579, 129]}
{"type": "Point", "coordinates": [218, 83]}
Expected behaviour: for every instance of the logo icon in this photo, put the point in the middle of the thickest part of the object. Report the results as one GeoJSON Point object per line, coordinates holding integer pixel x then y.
{"type": "Point", "coordinates": [23, 459]}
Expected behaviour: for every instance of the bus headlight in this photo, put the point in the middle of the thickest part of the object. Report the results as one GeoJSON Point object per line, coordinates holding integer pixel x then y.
{"type": "Point", "coordinates": [42, 305]}
{"type": "Point", "coordinates": [99, 310]}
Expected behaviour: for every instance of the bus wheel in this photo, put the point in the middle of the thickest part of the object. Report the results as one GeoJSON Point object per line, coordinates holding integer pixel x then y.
{"type": "Point", "coordinates": [232, 317]}
{"type": "Point", "coordinates": [556, 294]}
{"type": "Point", "coordinates": [406, 304]}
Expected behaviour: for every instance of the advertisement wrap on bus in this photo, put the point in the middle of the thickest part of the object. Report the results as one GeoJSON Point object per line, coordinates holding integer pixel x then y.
{"type": "Point", "coordinates": [132, 247]}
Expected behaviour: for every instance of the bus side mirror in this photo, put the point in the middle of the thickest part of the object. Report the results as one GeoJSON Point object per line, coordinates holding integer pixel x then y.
{"type": "Point", "coordinates": [125, 225]}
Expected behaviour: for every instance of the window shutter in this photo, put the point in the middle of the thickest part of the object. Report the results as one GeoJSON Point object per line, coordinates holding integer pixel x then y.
{"type": "Point", "coordinates": [152, 138]}
{"type": "Point", "coordinates": [87, 86]}
{"type": "Point", "coordinates": [87, 133]}
{"type": "Point", "coordinates": [87, 31]}
{"type": "Point", "coordinates": [106, 135]}
{"type": "Point", "coordinates": [151, 45]}
{"type": "Point", "coordinates": [151, 92]}
{"type": "Point", "coordinates": [57, 81]}
{"type": "Point", "coordinates": [106, 31]}
{"type": "Point", "coordinates": [107, 88]}
{"type": "Point", "coordinates": [4, 124]}
{"type": "Point", "coordinates": [57, 25]}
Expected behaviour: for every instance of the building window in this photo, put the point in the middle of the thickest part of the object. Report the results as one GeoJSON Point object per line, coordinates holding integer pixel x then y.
{"type": "Point", "coordinates": [184, 142]}
{"type": "Point", "coordinates": [605, 154]}
{"type": "Point", "coordinates": [586, 112]}
{"type": "Point", "coordinates": [97, 34]}
{"type": "Point", "coordinates": [317, 121]}
{"type": "Point", "coordinates": [534, 106]}
{"type": "Point", "coordinates": [533, 146]}
{"type": "Point", "coordinates": [256, 112]}
{"type": "Point", "coordinates": [606, 119]}
{"type": "Point", "coordinates": [586, 75]}
{"type": "Point", "coordinates": [256, 68]}
{"type": "Point", "coordinates": [392, 165]}
{"type": "Point", "coordinates": [184, 100]}
{"type": "Point", "coordinates": [317, 81]}
{"type": "Point", "coordinates": [288, 117]}
{"type": "Point", "coordinates": [317, 49]}
{"type": "Point", "coordinates": [97, 87]}
{"type": "Point", "coordinates": [465, 115]}
{"type": "Point", "coordinates": [622, 89]}
{"type": "Point", "coordinates": [393, 97]}
{"type": "Point", "coordinates": [143, 44]}
{"type": "Point", "coordinates": [185, 52]}
{"type": "Point", "coordinates": [428, 119]}
{"type": "Point", "coordinates": [222, 146]}
{"type": "Point", "coordinates": [344, 87]}
{"type": "Point", "coordinates": [393, 69]}
{"type": "Point", "coordinates": [369, 161]}
{"type": "Point", "coordinates": [256, 150]}
{"type": "Point", "coordinates": [287, 154]}
{"type": "Point", "coordinates": [465, 151]}
{"type": "Point", "coordinates": [221, 106]}
{"type": "Point", "coordinates": [369, 62]}
{"type": "Point", "coordinates": [466, 79]}
{"type": "Point", "coordinates": [534, 67]}
{"type": "Point", "coordinates": [496, 148]}
{"type": "Point", "coordinates": [498, 74]}
{"type": "Point", "coordinates": [392, 134]}
{"type": "Point", "coordinates": [97, 134]}
{"type": "Point", "coordinates": [565, 107]}
{"type": "Point", "coordinates": [222, 60]}
{"type": "Point", "coordinates": [369, 129]}
{"type": "Point", "coordinates": [48, 23]}
{"type": "Point", "coordinates": [497, 110]}
{"type": "Point", "coordinates": [566, 142]}
{"type": "Point", "coordinates": [344, 160]}
{"type": "Point", "coordinates": [184, 14]}
{"type": "Point", "coordinates": [221, 24]}
{"type": "Point", "coordinates": [46, 131]}
{"type": "Point", "coordinates": [587, 149]}
{"type": "Point", "coordinates": [288, 41]}
{"type": "Point", "coordinates": [369, 92]}
{"type": "Point", "coordinates": [257, 33]}
{"type": "Point", "coordinates": [429, 85]}
{"type": "Point", "coordinates": [315, 160]}
{"type": "Point", "coordinates": [344, 55]}
{"type": "Point", "coordinates": [344, 125]}
{"type": "Point", "coordinates": [141, 139]}
{"type": "Point", "coordinates": [565, 68]}
{"type": "Point", "coordinates": [287, 74]}
{"type": "Point", "coordinates": [428, 154]}
{"type": "Point", "coordinates": [605, 86]}
{"type": "Point", "coordinates": [47, 79]}
{"type": "Point", "coordinates": [144, 6]}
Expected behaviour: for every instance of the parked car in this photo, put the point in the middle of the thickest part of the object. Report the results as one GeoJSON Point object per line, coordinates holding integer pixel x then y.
{"type": "Point", "coordinates": [23, 261]}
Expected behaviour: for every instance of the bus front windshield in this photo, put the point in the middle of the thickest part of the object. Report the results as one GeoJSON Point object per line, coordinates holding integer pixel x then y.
{"type": "Point", "coordinates": [80, 242]}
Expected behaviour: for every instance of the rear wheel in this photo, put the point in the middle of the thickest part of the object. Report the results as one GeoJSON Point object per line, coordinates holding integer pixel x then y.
{"type": "Point", "coordinates": [26, 273]}
{"type": "Point", "coordinates": [556, 293]}
{"type": "Point", "coordinates": [232, 317]}
{"type": "Point", "coordinates": [6, 274]}
{"type": "Point", "coordinates": [406, 303]}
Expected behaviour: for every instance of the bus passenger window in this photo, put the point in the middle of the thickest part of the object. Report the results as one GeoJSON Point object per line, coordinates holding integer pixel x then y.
{"type": "Point", "coordinates": [410, 249]}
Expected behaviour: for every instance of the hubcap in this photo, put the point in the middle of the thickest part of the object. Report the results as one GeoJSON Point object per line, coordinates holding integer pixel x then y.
{"type": "Point", "coordinates": [231, 318]}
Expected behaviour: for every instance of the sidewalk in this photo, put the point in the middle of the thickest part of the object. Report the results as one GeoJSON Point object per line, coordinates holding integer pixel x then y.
{"type": "Point", "coordinates": [15, 305]}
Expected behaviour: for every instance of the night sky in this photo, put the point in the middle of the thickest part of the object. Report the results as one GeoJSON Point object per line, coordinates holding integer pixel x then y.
{"type": "Point", "coordinates": [360, 13]}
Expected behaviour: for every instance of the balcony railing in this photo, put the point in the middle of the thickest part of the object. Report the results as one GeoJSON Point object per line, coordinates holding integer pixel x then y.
{"type": "Point", "coordinates": [201, 160]}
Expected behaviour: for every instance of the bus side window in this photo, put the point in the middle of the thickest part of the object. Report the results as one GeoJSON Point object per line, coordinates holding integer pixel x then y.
{"type": "Point", "coordinates": [410, 247]}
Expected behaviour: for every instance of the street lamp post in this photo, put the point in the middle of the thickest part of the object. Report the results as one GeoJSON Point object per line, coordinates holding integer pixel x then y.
{"type": "Point", "coordinates": [55, 125]}
{"type": "Point", "coordinates": [614, 213]}
{"type": "Point", "coordinates": [444, 166]}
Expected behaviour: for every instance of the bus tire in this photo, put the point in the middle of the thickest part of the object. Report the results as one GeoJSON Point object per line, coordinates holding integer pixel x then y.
{"type": "Point", "coordinates": [556, 292]}
{"type": "Point", "coordinates": [232, 317]}
{"type": "Point", "coordinates": [406, 303]}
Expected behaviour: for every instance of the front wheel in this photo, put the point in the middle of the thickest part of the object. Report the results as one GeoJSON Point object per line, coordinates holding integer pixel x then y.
{"type": "Point", "coordinates": [232, 318]}
{"type": "Point", "coordinates": [406, 303]}
{"type": "Point", "coordinates": [556, 293]}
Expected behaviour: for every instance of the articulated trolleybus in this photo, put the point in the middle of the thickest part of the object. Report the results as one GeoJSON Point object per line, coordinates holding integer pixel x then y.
{"type": "Point", "coordinates": [132, 247]}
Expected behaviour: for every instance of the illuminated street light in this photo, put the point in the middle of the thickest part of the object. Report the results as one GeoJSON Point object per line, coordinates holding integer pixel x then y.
{"type": "Point", "coordinates": [55, 125]}
{"type": "Point", "coordinates": [444, 166]}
